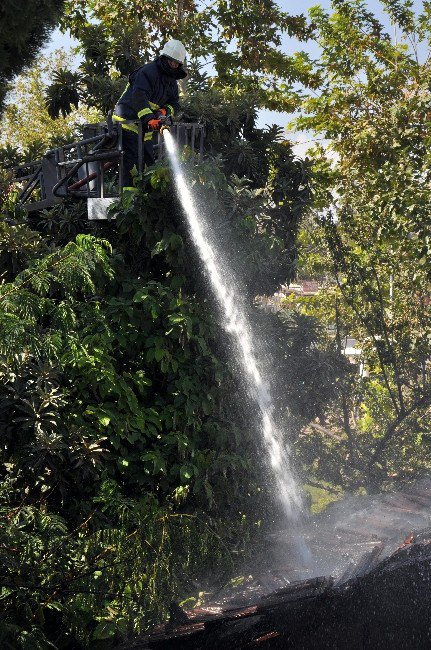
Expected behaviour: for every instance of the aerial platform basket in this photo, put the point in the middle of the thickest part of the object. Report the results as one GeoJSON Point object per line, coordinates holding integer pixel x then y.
{"type": "Point", "coordinates": [92, 169]}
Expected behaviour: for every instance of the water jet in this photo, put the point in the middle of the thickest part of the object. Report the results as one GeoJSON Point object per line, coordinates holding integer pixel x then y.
{"type": "Point", "coordinates": [235, 321]}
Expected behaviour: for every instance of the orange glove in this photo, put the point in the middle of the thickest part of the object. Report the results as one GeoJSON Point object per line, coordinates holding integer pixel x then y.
{"type": "Point", "coordinates": [161, 111]}
{"type": "Point", "coordinates": [154, 125]}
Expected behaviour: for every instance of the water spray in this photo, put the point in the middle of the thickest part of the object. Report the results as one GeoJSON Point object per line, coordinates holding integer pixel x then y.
{"type": "Point", "coordinates": [236, 323]}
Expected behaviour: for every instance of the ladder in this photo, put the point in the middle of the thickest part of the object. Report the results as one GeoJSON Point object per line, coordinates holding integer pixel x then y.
{"type": "Point", "coordinates": [92, 169]}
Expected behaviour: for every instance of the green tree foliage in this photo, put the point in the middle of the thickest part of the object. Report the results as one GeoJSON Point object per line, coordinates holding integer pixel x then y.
{"type": "Point", "coordinates": [372, 200]}
{"type": "Point", "coordinates": [117, 37]}
{"type": "Point", "coordinates": [122, 438]}
{"type": "Point", "coordinates": [128, 458]}
{"type": "Point", "coordinates": [109, 406]}
{"type": "Point", "coordinates": [90, 585]}
{"type": "Point", "coordinates": [25, 26]}
{"type": "Point", "coordinates": [27, 129]}
{"type": "Point", "coordinates": [268, 186]}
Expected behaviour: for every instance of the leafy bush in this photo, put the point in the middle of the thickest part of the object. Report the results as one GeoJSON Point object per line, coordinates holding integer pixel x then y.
{"type": "Point", "coordinates": [123, 447]}
{"type": "Point", "coordinates": [92, 585]}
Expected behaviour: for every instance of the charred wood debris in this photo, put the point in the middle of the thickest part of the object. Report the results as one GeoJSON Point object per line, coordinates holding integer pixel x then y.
{"type": "Point", "coordinates": [377, 596]}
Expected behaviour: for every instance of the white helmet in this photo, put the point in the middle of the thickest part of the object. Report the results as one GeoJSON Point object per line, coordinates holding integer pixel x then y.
{"type": "Point", "coordinates": [175, 50]}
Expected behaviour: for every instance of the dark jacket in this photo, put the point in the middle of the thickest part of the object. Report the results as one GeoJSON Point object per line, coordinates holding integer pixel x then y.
{"type": "Point", "coordinates": [150, 87]}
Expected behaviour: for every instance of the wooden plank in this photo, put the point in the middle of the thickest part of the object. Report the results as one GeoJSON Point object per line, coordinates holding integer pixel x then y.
{"type": "Point", "coordinates": [296, 592]}
{"type": "Point", "coordinates": [257, 643]}
{"type": "Point", "coordinates": [185, 636]}
{"type": "Point", "coordinates": [232, 615]}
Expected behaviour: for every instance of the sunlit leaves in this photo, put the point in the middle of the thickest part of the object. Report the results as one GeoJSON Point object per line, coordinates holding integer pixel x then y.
{"type": "Point", "coordinates": [29, 298]}
{"type": "Point", "coordinates": [372, 200]}
{"type": "Point", "coordinates": [27, 124]}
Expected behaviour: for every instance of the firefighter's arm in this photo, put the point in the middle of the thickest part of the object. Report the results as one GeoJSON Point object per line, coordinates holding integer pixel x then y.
{"type": "Point", "coordinates": [142, 90]}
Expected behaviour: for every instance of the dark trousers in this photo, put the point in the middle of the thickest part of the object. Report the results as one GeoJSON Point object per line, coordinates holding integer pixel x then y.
{"type": "Point", "coordinates": [131, 155]}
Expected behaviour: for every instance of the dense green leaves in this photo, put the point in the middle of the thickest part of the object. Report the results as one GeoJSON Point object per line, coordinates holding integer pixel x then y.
{"type": "Point", "coordinates": [372, 197]}
{"type": "Point", "coordinates": [27, 129]}
{"type": "Point", "coordinates": [25, 27]}
{"type": "Point", "coordinates": [120, 419]}
{"type": "Point", "coordinates": [88, 586]}
{"type": "Point", "coordinates": [119, 410]}
{"type": "Point", "coordinates": [114, 47]}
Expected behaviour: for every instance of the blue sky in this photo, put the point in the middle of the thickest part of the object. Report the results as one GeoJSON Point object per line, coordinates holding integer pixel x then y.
{"type": "Point", "coordinates": [63, 41]}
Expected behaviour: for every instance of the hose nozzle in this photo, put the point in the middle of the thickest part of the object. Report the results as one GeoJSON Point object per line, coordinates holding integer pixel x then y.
{"type": "Point", "coordinates": [164, 127]}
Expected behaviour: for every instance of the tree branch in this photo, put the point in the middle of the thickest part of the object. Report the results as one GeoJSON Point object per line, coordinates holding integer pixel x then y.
{"type": "Point", "coordinates": [351, 303]}
{"type": "Point", "coordinates": [388, 343]}
{"type": "Point", "coordinates": [327, 432]}
{"type": "Point", "coordinates": [324, 487]}
{"type": "Point", "coordinates": [425, 400]}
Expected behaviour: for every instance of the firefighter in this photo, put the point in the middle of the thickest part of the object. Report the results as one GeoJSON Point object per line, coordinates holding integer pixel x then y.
{"type": "Point", "coordinates": [152, 92]}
